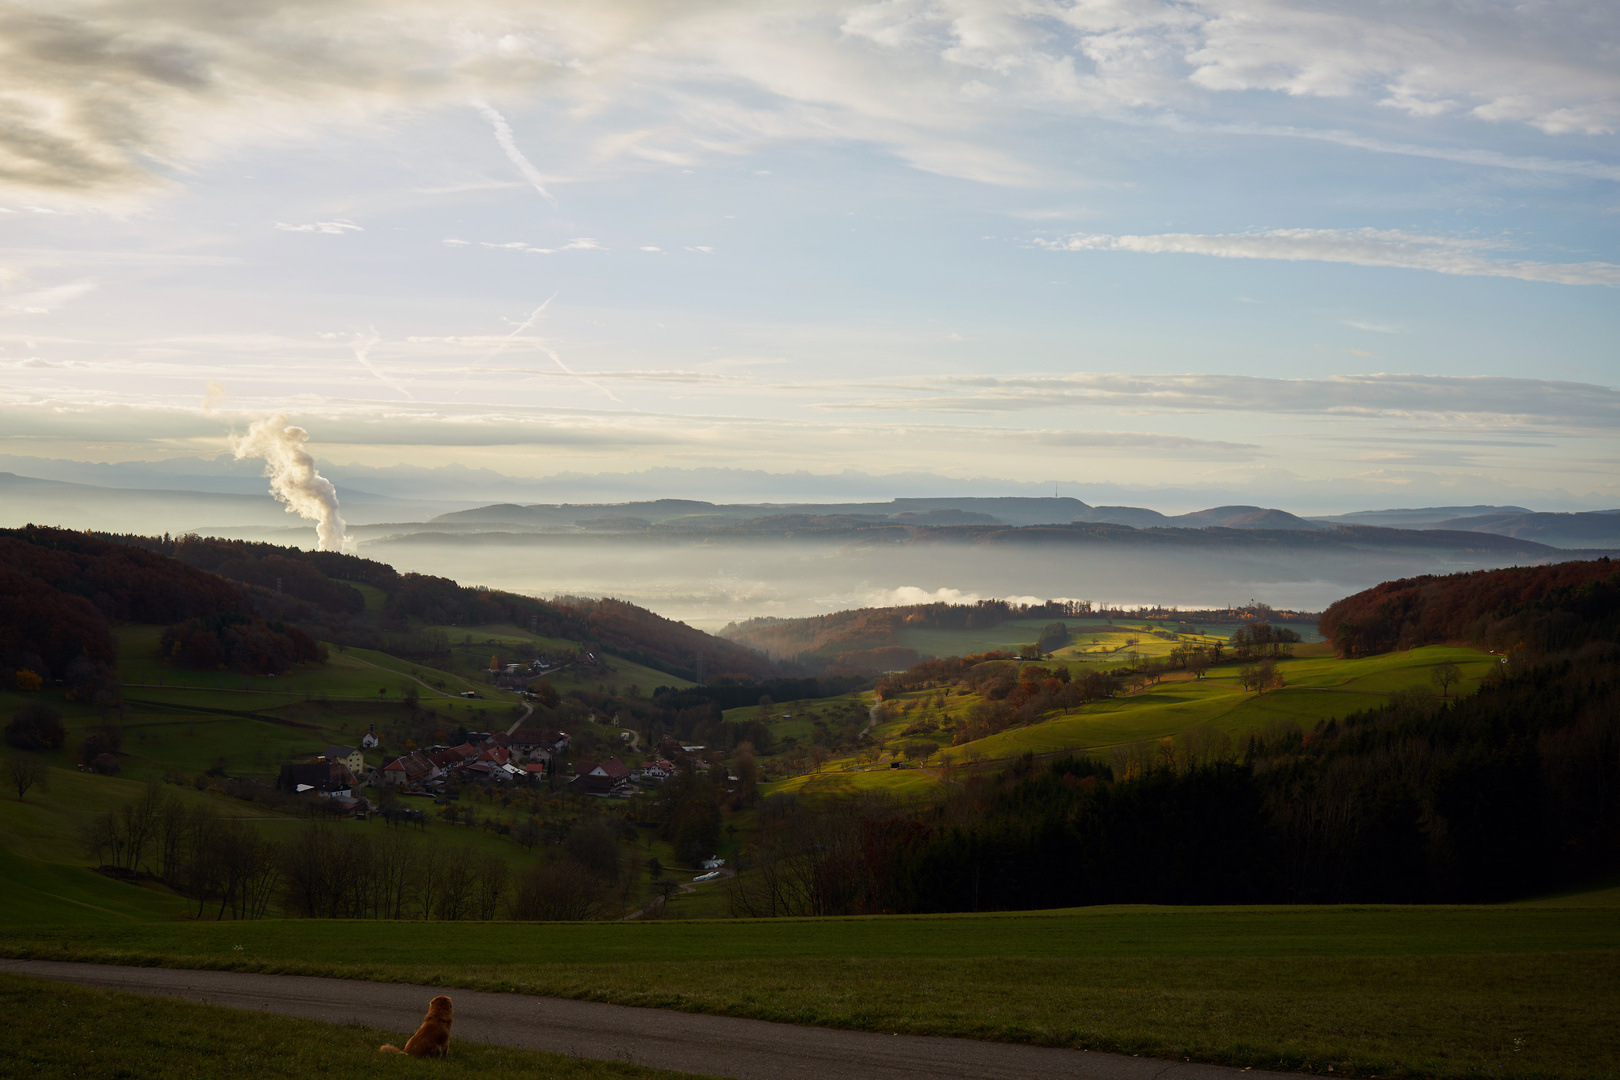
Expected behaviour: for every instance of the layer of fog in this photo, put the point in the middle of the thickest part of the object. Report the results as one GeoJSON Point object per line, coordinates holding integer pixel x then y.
{"type": "Point", "coordinates": [708, 584]}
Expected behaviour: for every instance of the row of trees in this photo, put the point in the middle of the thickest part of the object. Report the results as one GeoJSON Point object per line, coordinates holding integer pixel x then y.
{"type": "Point", "coordinates": [228, 869]}
{"type": "Point", "coordinates": [221, 864]}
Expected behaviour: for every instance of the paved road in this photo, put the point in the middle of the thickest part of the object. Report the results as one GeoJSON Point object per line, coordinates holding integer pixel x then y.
{"type": "Point", "coordinates": [684, 1042]}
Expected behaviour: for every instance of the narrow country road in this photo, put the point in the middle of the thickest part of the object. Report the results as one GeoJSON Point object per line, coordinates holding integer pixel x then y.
{"type": "Point", "coordinates": [682, 1042]}
{"type": "Point", "coordinates": [528, 711]}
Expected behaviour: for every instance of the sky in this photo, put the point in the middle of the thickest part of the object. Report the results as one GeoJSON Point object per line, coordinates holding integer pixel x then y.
{"type": "Point", "coordinates": [1364, 253]}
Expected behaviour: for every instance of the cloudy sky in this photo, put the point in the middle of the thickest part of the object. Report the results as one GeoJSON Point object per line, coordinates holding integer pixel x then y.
{"type": "Point", "coordinates": [1262, 246]}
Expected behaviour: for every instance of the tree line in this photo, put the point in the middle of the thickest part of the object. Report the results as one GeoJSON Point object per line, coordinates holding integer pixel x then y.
{"type": "Point", "coordinates": [1510, 792]}
{"type": "Point", "coordinates": [227, 869]}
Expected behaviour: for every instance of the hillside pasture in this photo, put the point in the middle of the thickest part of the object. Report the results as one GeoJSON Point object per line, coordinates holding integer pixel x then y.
{"type": "Point", "coordinates": [1089, 638]}
{"type": "Point", "coordinates": [1319, 689]}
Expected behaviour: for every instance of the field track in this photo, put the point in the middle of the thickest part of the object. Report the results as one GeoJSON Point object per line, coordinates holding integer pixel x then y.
{"type": "Point", "coordinates": [678, 1041]}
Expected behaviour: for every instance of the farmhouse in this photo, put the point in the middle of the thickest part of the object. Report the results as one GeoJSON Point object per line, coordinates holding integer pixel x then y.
{"type": "Point", "coordinates": [602, 778]}
{"type": "Point", "coordinates": [346, 755]}
{"type": "Point", "coordinates": [413, 768]}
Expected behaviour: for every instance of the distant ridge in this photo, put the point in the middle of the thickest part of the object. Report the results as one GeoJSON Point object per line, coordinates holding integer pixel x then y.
{"type": "Point", "coordinates": [1006, 510]}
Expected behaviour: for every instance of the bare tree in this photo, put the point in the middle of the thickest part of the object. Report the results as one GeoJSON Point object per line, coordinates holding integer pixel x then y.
{"type": "Point", "coordinates": [24, 773]}
{"type": "Point", "coordinates": [1445, 675]}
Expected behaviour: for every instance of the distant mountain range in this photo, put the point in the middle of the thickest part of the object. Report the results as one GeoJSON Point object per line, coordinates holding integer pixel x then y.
{"type": "Point", "coordinates": [227, 497]}
{"type": "Point", "coordinates": [1597, 529]}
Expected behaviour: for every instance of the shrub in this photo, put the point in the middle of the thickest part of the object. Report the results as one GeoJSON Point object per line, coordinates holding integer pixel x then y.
{"type": "Point", "coordinates": [36, 726]}
{"type": "Point", "coordinates": [99, 743]}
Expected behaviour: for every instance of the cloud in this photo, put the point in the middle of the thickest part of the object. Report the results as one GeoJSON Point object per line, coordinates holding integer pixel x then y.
{"type": "Point", "coordinates": [1361, 247]}
{"type": "Point", "coordinates": [907, 595]}
{"type": "Point", "coordinates": [45, 301]}
{"type": "Point", "coordinates": [41, 362]}
{"type": "Point", "coordinates": [331, 228]}
{"type": "Point", "coordinates": [579, 243]}
{"type": "Point", "coordinates": [109, 99]}
{"type": "Point", "coordinates": [1393, 395]}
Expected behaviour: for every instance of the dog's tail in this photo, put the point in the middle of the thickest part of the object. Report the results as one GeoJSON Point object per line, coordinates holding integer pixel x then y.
{"type": "Point", "coordinates": [389, 1048]}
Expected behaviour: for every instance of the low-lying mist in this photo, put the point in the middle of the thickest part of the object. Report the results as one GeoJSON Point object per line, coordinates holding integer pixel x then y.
{"type": "Point", "coordinates": [710, 583]}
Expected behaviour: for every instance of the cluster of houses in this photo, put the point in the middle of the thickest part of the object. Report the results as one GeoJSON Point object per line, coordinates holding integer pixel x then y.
{"type": "Point", "coordinates": [524, 754]}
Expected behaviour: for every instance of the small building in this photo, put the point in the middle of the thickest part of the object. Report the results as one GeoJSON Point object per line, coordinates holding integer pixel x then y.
{"type": "Point", "coordinates": [326, 779]}
{"type": "Point", "coordinates": [345, 755]}
{"type": "Point", "coordinates": [656, 771]}
{"type": "Point", "coordinates": [413, 768]}
{"type": "Point", "coordinates": [370, 740]}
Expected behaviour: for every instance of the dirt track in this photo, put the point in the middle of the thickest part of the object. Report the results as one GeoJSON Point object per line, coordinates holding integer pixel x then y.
{"type": "Point", "coordinates": [683, 1042]}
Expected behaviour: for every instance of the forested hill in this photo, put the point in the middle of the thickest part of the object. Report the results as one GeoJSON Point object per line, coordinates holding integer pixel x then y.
{"type": "Point", "coordinates": [319, 583]}
{"type": "Point", "coordinates": [1542, 609]}
{"type": "Point", "coordinates": [60, 592]}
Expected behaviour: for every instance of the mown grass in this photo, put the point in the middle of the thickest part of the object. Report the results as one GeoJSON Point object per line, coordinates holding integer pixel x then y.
{"type": "Point", "coordinates": [1527, 990]}
{"type": "Point", "coordinates": [54, 1030]}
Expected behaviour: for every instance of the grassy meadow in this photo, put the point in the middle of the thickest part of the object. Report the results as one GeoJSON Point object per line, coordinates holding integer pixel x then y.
{"type": "Point", "coordinates": [1521, 990]}
{"type": "Point", "coordinates": [57, 1031]}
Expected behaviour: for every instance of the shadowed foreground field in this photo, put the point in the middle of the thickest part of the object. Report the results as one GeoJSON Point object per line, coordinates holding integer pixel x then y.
{"type": "Point", "coordinates": [58, 1031]}
{"type": "Point", "coordinates": [1508, 991]}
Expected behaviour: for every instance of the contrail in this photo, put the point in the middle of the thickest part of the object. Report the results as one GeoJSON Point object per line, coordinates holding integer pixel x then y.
{"type": "Point", "coordinates": [362, 353]}
{"type": "Point", "coordinates": [293, 478]}
{"type": "Point", "coordinates": [548, 350]}
{"type": "Point", "coordinates": [500, 347]}
{"type": "Point", "coordinates": [503, 135]}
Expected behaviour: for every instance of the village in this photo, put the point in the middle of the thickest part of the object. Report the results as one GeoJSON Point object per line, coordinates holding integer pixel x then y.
{"type": "Point", "coordinates": [523, 756]}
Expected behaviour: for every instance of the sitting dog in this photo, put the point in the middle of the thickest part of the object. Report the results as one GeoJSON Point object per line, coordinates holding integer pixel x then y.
{"type": "Point", "coordinates": [432, 1039]}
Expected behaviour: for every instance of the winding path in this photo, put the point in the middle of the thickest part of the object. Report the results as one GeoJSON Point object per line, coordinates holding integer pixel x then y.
{"type": "Point", "coordinates": [656, 1038]}
{"type": "Point", "coordinates": [391, 671]}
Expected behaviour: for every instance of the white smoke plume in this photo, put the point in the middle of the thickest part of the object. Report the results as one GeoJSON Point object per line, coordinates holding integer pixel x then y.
{"type": "Point", "coordinates": [293, 478]}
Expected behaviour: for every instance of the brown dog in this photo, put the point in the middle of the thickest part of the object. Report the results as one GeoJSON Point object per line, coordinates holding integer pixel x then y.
{"type": "Point", "coordinates": [432, 1039]}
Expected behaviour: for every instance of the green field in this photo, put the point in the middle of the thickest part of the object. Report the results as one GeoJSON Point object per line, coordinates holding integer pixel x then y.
{"type": "Point", "coordinates": [55, 1030]}
{"type": "Point", "coordinates": [1320, 687]}
{"type": "Point", "coordinates": [1522, 990]}
{"type": "Point", "coordinates": [1090, 638]}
